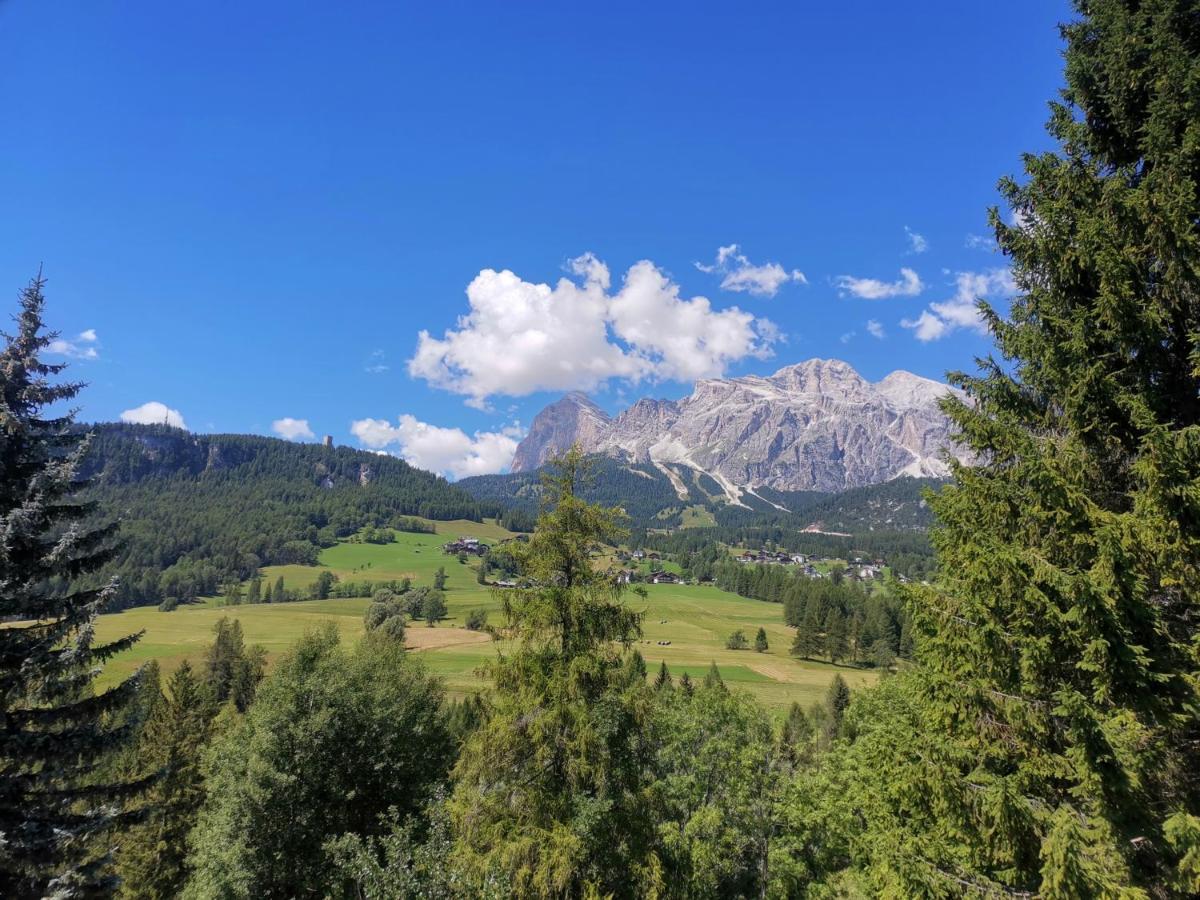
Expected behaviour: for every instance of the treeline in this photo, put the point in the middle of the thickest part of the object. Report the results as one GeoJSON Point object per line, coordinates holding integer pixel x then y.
{"type": "Point", "coordinates": [698, 550]}
{"type": "Point", "coordinates": [201, 511]}
{"type": "Point", "coordinates": [835, 619]}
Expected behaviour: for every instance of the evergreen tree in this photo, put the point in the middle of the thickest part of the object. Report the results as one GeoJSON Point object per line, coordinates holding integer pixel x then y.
{"type": "Point", "coordinates": [231, 672]}
{"type": "Point", "coordinates": [54, 806]}
{"type": "Point", "coordinates": [549, 791]}
{"type": "Point", "coordinates": [837, 701]}
{"type": "Point", "coordinates": [662, 681]}
{"type": "Point", "coordinates": [807, 642]}
{"type": "Point", "coordinates": [685, 684]}
{"type": "Point", "coordinates": [254, 590]}
{"type": "Point", "coordinates": [278, 594]}
{"type": "Point", "coordinates": [760, 641]}
{"type": "Point", "coordinates": [712, 678]}
{"type": "Point", "coordinates": [152, 861]}
{"type": "Point", "coordinates": [1046, 744]}
{"type": "Point", "coordinates": [836, 645]}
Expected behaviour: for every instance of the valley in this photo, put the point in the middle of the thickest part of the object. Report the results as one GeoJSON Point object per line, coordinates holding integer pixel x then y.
{"type": "Point", "coordinates": [695, 619]}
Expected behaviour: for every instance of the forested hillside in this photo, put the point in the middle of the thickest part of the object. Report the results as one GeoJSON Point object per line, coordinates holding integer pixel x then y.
{"type": "Point", "coordinates": [650, 500]}
{"type": "Point", "coordinates": [199, 510]}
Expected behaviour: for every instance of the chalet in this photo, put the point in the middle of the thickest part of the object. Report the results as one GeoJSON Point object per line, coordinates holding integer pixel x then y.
{"type": "Point", "coordinates": [638, 554]}
{"type": "Point", "coordinates": [472, 546]}
{"type": "Point", "coordinates": [506, 584]}
{"type": "Point", "coordinates": [664, 578]}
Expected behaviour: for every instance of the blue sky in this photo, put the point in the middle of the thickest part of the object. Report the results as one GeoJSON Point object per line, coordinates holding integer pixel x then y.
{"type": "Point", "coordinates": [249, 213]}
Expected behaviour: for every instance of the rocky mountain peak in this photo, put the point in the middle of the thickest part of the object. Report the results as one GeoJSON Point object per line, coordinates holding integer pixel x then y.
{"type": "Point", "coordinates": [814, 425]}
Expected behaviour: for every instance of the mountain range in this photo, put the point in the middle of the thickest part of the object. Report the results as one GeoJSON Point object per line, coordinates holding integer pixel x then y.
{"type": "Point", "coordinates": [814, 426]}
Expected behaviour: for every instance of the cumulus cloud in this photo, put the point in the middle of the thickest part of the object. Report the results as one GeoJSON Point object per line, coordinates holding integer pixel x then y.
{"type": "Point", "coordinates": [85, 345]}
{"type": "Point", "coordinates": [448, 451]}
{"type": "Point", "coordinates": [916, 242]}
{"type": "Point", "coordinates": [960, 311]}
{"type": "Point", "coordinates": [153, 413]}
{"type": "Point", "coordinates": [875, 329]}
{"type": "Point", "coordinates": [742, 276]}
{"type": "Point", "coordinates": [292, 429]}
{"type": "Point", "coordinates": [520, 337]}
{"type": "Point", "coordinates": [908, 285]}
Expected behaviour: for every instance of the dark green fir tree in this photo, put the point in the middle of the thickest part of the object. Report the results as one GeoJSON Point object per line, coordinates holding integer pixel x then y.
{"type": "Point", "coordinates": [54, 731]}
{"type": "Point", "coordinates": [1048, 743]}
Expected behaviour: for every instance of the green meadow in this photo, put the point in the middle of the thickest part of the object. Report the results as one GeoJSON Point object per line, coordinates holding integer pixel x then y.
{"type": "Point", "coordinates": [685, 625]}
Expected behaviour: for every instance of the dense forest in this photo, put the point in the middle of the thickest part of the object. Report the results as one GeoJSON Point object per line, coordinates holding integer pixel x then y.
{"type": "Point", "coordinates": [649, 499]}
{"type": "Point", "coordinates": [199, 511]}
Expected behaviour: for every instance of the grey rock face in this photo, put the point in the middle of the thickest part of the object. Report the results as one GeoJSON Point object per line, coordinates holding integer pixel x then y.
{"type": "Point", "coordinates": [817, 425]}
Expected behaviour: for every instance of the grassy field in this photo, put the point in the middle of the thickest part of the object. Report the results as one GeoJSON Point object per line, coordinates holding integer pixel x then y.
{"type": "Point", "coordinates": [696, 620]}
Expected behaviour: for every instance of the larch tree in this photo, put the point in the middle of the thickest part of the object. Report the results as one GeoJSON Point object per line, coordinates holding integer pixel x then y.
{"type": "Point", "coordinates": [1048, 743]}
{"type": "Point", "coordinates": [54, 730]}
{"type": "Point", "coordinates": [549, 792]}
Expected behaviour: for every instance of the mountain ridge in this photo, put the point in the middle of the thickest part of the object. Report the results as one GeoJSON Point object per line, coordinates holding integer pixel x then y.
{"type": "Point", "coordinates": [813, 425]}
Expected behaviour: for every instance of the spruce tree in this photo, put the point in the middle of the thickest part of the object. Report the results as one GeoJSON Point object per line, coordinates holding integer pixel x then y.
{"type": "Point", "coordinates": [550, 790]}
{"type": "Point", "coordinates": [662, 681]}
{"type": "Point", "coordinates": [54, 808]}
{"type": "Point", "coordinates": [152, 859]}
{"type": "Point", "coordinates": [760, 641]}
{"type": "Point", "coordinates": [1047, 743]}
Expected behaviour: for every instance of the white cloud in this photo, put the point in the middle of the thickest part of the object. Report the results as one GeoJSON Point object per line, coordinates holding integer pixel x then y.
{"type": "Point", "coordinates": [85, 345]}
{"type": "Point", "coordinates": [447, 451]}
{"type": "Point", "coordinates": [979, 242]}
{"type": "Point", "coordinates": [908, 285]}
{"type": "Point", "coordinates": [875, 329]}
{"type": "Point", "coordinates": [916, 242]}
{"type": "Point", "coordinates": [520, 337]}
{"type": "Point", "coordinates": [153, 413]}
{"type": "Point", "coordinates": [292, 429]}
{"type": "Point", "coordinates": [848, 337]}
{"type": "Point", "coordinates": [743, 276]}
{"type": "Point", "coordinates": [960, 311]}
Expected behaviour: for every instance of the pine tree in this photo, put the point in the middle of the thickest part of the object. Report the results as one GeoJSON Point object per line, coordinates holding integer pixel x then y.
{"type": "Point", "coordinates": [231, 672]}
{"type": "Point", "coordinates": [685, 684]}
{"type": "Point", "coordinates": [152, 860]}
{"type": "Point", "coordinates": [549, 790]}
{"type": "Point", "coordinates": [837, 701]}
{"type": "Point", "coordinates": [662, 681]}
{"type": "Point", "coordinates": [54, 810]}
{"type": "Point", "coordinates": [836, 645]}
{"type": "Point", "coordinates": [807, 642]}
{"type": "Point", "coordinates": [760, 641]}
{"type": "Point", "coordinates": [254, 590]}
{"type": "Point", "coordinates": [1047, 742]}
{"type": "Point", "coordinates": [278, 594]}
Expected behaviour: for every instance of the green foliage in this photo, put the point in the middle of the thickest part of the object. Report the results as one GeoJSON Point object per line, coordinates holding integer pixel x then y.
{"type": "Point", "coordinates": [477, 620]}
{"type": "Point", "coordinates": [549, 791]}
{"type": "Point", "coordinates": [334, 740]}
{"type": "Point", "coordinates": [737, 641]}
{"type": "Point", "coordinates": [152, 860]}
{"type": "Point", "coordinates": [55, 806]}
{"type": "Point", "coordinates": [712, 795]}
{"type": "Point", "coordinates": [760, 641]}
{"type": "Point", "coordinates": [204, 510]}
{"type": "Point", "coordinates": [434, 607]}
{"type": "Point", "coordinates": [231, 671]}
{"type": "Point", "coordinates": [1046, 742]}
